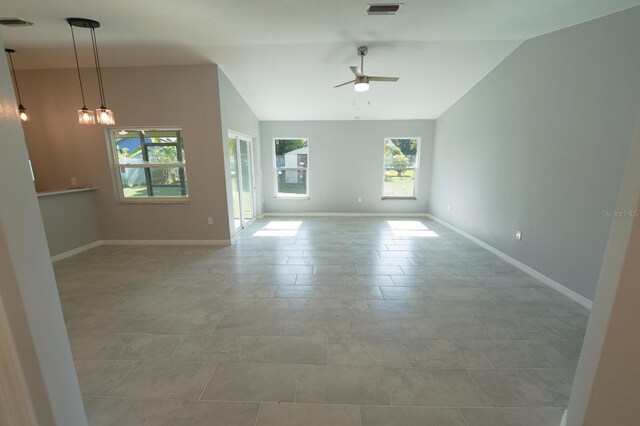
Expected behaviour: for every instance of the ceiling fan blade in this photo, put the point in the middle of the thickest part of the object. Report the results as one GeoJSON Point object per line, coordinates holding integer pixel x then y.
{"type": "Point", "coordinates": [344, 84]}
{"type": "Point", "coordinates": [356, 71]}
{"type": "Point", "coordinates": [384, 78]}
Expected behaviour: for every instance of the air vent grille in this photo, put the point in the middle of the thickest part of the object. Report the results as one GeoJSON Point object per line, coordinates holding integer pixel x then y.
{"type": "Point", "coordinates": [383, 8]}
{"type": "Point", "coordinates": [15, 22]}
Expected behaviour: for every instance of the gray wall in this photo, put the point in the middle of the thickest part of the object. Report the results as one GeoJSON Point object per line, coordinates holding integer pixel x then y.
{"type": "Point", "coordinates": [237, 116]}
{"type": "Point", "coordinates": [185, 96]}
{"type": "Point", "coordinates": [345, 162]}
{"type": "Point", "coordinates": [27, 284]}
{"type": "Point", "coordinates": [540, 144]}
{"type": "Point", "coordinates": [69, 220]}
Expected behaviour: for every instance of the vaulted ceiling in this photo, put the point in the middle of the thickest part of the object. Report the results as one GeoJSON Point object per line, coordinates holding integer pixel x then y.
{"type": "Point", "coordinates": [284, 56]}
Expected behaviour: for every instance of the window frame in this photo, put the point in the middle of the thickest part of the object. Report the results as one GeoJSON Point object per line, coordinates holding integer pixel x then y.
{"type": "Point", "coordinates": [115, 167]}
{"type": "Point", "coordinates": [276, 168]}
{"type": "Point", "coordinates": [416, 169]}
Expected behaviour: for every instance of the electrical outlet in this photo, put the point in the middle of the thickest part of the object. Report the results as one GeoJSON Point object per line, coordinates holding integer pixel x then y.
{"type": "Point", "coordinates": [359, 199]}
{"type": "Point", "coordinates": [73, 181]}
{"type": "Point", "coordinates": [518, 235]}
{"type": "Point", "coordinates": [448, 207]}
{"type": "Point", "coordinates": [210, 220]}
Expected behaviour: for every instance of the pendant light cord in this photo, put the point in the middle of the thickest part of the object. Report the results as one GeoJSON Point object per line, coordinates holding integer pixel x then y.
{"type": "Point", "coordinates": [15, 79]}
{"type": "Point", "coordinates": [98, 68]}
{"type": "Point", "coordinates": [75, 51]}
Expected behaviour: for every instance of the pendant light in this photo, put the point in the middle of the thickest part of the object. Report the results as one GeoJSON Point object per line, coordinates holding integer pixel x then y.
{"type": "Point", "coordinates": [85, 115]}
{"type": "Point", "coordinates": [103, 114]}
{"type": "Point", "coordinates": [22, 111]}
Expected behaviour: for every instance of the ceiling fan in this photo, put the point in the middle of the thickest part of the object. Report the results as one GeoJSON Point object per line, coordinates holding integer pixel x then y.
{"type": "Point", "coordinates": [361, 82]}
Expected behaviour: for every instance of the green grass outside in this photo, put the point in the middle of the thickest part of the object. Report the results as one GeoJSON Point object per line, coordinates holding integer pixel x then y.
{"type": "Point", "coordinates": [399, 186]}
{"type": "Point", "coordinates": [140, 191]}
{"type": "Point", "coordinates": [246, 198]}
{"type": "Point", "coordinates": [292, 188]}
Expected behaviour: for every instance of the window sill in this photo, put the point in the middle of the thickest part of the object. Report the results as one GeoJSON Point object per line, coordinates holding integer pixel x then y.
{"type": "Point", "coordinates": [156, 201]}
{"type": "Point", "coordinates": [398, 198]}
{"type": "Point", "coordinates": [293, 198]}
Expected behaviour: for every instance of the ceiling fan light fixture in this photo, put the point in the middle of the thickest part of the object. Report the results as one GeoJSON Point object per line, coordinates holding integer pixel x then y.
{"type": "Point", "coordinates": [361, 86]}
{"type": "Point", "coordinates": [362, 80]}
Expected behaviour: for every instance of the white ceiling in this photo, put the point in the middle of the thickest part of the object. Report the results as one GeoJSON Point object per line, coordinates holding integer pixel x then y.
{"type": "Point", "coordinates": [284, 56]}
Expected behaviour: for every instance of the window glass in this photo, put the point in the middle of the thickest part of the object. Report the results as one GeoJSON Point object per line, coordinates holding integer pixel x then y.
{"type": "Point", "coordinates": [150, 163]}
{"type": "Point", "coordinates": [291, 167]}
{"type": "Point", "coordinates": [400, 167]}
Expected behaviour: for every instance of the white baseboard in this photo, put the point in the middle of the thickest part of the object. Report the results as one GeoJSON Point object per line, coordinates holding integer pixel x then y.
{"type": "Point", "coordinates": [166, 242]}
{"type": "Point", "coordinates": [75, 251]}
{"type": "Point", "coordinates": [579, 299]}
{"type": "Point", "coordinates": [346, 214]}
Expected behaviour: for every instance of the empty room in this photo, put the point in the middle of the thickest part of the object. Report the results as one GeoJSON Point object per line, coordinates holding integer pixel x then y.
{"type": "Point", "coordinates": [320, 213]}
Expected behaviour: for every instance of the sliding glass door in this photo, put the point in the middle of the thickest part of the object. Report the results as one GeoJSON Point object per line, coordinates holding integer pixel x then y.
{"type": "Point", "coordinates": [242, 184]}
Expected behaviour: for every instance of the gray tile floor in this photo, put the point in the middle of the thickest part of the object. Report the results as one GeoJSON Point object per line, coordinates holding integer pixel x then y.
{"type": "Point", "coordinates": [342, 321]}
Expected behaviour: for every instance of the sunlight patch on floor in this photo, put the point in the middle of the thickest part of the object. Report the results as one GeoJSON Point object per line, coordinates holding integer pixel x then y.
{"type": "Point", "coordinates": [279, 228]}
{"type": "Point", "coordinates": [410, 228]}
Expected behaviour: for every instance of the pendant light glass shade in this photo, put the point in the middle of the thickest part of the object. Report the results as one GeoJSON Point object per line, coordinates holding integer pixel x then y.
{"type": "Point", "coordinates": [105, 116]}
{"type": "Point", "coordinates": [86, 116]}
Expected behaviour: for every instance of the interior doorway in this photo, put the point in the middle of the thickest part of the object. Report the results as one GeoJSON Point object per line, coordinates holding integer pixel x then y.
{"type": "Point", "coordinates": [242, 179]}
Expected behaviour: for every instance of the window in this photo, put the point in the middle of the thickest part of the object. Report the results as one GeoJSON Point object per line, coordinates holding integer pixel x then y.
{"type": "Point", "coordinates": [291, 168]}
{"type": "Point", "coordinates": [400, 167]}
{"type": "Point", "coordinates": [149, 164]}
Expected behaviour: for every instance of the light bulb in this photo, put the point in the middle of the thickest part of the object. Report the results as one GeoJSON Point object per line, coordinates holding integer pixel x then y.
{"type": "Point", "coordinates": [361, 87]}
{"type": "Point", "coordinates": [22, 113]}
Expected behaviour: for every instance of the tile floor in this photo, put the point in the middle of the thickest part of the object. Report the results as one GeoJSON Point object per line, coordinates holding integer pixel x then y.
{"type": "Point", "coordinates": [342, 321]}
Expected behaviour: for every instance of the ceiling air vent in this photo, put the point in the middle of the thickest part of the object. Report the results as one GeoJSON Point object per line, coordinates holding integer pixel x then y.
{"type": "Point", "coordinates": [383, 8]}
{"type": "Point", "coordinates": [15, 22]}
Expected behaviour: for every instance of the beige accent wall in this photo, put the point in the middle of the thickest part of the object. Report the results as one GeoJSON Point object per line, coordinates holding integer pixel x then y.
{"type": "Point", "coordinates": [182, 96]}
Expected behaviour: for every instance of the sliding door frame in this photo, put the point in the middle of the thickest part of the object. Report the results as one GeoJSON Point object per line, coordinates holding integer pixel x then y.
{"type": "Point", "coordinates": [238, 137]}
